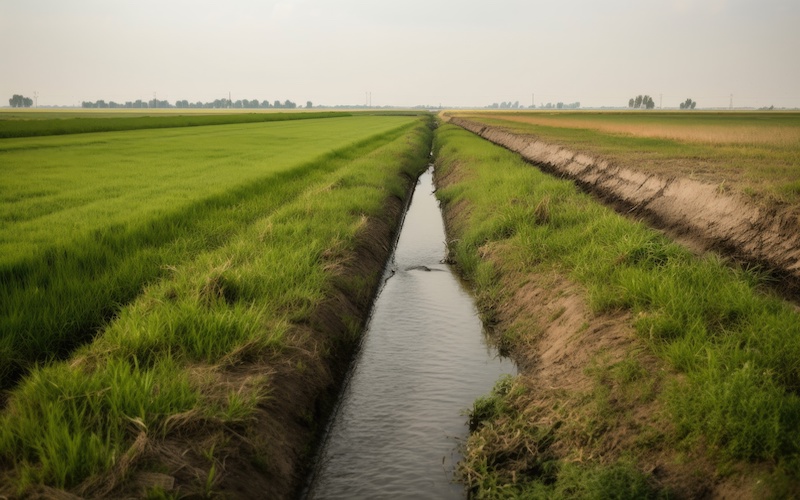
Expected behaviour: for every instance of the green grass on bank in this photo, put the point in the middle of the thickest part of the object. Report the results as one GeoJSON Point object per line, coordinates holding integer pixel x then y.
{"type": "Point", "coordinates": [89, 220]}
{"type": "Point", "coordinates": [736, 347]}
{"type": "Point", "coordinates": [38, 124]}
{"type": "Point", "coordinates": [143, 378]}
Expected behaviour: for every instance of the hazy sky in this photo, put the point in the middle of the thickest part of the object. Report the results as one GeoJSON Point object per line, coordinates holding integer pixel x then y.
{"type": "Point", "coordinates": [406, 52]}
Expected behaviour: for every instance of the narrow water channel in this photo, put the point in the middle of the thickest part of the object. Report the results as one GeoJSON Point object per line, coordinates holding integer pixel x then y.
{"type": "Point", "coordinates": [423, 362]}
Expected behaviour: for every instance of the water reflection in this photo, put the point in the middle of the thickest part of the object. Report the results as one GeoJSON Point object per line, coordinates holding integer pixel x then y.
{"type": "Point", "coordinates": [423, 362]}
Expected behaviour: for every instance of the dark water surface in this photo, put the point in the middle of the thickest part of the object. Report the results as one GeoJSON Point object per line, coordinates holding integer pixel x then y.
{"type": "Point", "coordinates": [423, 362]}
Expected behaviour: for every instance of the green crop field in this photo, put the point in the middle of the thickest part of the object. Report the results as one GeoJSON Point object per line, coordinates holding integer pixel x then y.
{"type": "Point", "coordinates": [159, 250]}
{"type": "Point", "coordinates": [756, 153]}
{"type": "Point", "coordinates": [89, 219]}
{"type": "Point", "coordinates": [42, 123]}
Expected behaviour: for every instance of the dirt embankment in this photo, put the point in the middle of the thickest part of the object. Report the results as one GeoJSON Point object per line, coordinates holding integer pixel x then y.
{"type": "Point", "coordinates": [696, 213]}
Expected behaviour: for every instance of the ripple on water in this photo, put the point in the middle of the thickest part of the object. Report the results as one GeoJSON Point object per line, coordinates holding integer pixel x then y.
{"type": "Point", "coordinates": [423, 362]}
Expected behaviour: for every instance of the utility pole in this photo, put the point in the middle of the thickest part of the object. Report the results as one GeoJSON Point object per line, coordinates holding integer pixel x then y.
{"type": "Point", "coordinates": [533, 100]}
{"type": "Point", "coordinates": [660, 101]}
{"type": "Point", "coordinates": [155, 100]}
{"type": "Point", "coordinates": [35, 99]}
{"type": "Point", "coordinates": [731, 104]}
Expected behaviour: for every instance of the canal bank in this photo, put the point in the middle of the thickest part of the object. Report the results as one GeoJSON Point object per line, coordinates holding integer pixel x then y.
{"type": "Point", "coordinates": [645, 371]}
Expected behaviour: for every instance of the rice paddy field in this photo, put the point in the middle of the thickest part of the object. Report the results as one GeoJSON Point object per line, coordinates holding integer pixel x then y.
{"type": "Point", "coordinates": [41, 123]}
{"type": "Point", "coordinates": [137, 267]}
{"type": "Point", "coordinates": [755, 153]}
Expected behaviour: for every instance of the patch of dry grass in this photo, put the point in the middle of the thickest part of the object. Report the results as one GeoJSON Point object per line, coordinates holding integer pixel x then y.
{"type": "Point", "coordinates": [717, 128]}
{"type": "Point", "coordinates": [754, 153]}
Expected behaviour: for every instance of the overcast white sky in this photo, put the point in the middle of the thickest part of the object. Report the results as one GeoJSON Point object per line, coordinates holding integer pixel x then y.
{"type": "Point", "coordinates": [406, 52]}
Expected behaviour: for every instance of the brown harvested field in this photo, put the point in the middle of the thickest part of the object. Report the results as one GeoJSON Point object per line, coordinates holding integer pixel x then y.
{"type": "Point", "coordinates": [713, 128]}
{"type": "Point", "coordinates": [754, 153]}
{"type": "Point", "coordinates": [740, 199]}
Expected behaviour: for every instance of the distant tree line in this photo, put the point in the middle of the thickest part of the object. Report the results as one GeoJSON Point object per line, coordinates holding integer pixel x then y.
{"type": "Point", "coordinates": [18, 101]}
{"type": "Point", "coordinates": [217, 103]}
{"type": "Point", "coordinates": [641, 101]}
{"type": "Point", "coordinates": [561, 105]}
{"type": "Point", "coordinates": [549, 105]}
{"type": "Point", "coordinates": [504, 105]}
{"type": "Point", "coordinates": [646, 102]}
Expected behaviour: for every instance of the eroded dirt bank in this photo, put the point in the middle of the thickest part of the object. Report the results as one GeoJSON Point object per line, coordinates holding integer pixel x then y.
{"type": "Point", "coordinates": [696, 213]}
{"type": "Point", "coordinates": [305, 386]}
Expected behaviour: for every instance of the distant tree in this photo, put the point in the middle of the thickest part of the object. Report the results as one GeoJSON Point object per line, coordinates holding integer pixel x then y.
{"type": "Point", "coordinates": [688, 104]}
{"type": "Point", "coordinates": [154, 103]}
{"type": "Point", "coordinates": [265, 104]}
{"type": "Point", "coordinates": [289, 104]}
{"type": "Point", "coordinates": [641, 101]}
{"type": "Point", "coordinates": [18, 101]}
{"type": "Point", "coordinates": [277, 104]}
{"type": "Point", "coordinates": [309, 104]}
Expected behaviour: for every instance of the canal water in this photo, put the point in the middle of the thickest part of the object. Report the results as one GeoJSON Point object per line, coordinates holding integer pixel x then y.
{"type": "Point", "coordinates": [423, 361]}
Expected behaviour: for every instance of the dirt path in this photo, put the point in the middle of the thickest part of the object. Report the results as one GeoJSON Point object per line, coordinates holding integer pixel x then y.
{"type": "Point", "coordinates": [698, 214]}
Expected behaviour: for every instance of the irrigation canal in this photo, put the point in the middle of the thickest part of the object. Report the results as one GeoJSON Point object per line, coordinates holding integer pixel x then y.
{"type": "Point", "coordinates": [423, 361]}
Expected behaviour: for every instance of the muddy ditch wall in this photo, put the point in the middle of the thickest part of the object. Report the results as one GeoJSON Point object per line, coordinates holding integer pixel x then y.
{"type": "Point", "coordinates": [693, 212]}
